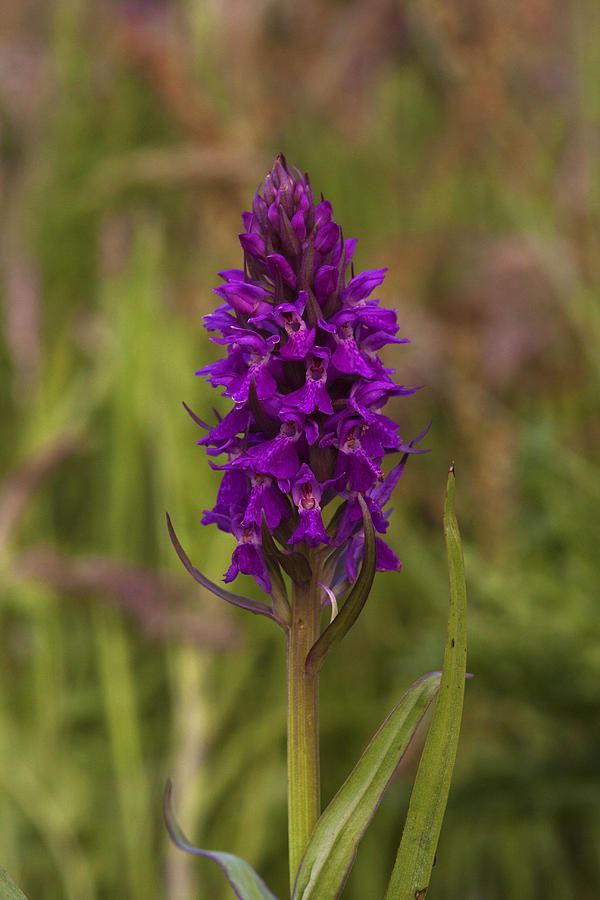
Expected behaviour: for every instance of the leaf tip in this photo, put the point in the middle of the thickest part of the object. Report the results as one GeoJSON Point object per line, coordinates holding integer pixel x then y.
{"type": "Point", "coordinates": [168, 799]}
{"type": "Point", "coordinates": [169, 813]}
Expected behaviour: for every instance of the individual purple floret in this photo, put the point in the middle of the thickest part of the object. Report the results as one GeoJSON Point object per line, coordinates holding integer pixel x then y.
{"type": "Point", "coordinates": [306, 494]}
{"type": "Point", "coordinates": [302, 336]}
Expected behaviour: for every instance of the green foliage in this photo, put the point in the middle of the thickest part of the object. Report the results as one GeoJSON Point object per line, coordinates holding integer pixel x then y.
{"type": "Point", "coordinates": [332, 848]}
{"type": "Point", "coordinates": [416, 854]}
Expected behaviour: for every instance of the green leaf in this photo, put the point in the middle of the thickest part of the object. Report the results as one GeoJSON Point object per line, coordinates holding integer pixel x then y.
{"type": "Point", "coordinates": [253, 606]}
{"type": "Point", "coordinates": [332, 847]}
{"type": "Point", "coordinates": [246, 884]}
{"type": "Point", "coordinates": [355, 601]}
{"type": "Point", "coordinates": [414, 862]}
{"type": "Point", "coordinates": [8, 889]}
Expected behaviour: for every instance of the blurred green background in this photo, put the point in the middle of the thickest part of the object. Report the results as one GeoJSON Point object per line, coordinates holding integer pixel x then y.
{"type": "Point", "coordinates": [459, 141]}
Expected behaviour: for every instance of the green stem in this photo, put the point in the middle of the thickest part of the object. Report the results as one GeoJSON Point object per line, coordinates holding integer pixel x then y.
{"type": "Point", "coordinates": [304, 790]}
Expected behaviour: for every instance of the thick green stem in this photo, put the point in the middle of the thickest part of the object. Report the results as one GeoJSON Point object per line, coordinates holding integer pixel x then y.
{"type": "Point", "coordinates": [304, 790]}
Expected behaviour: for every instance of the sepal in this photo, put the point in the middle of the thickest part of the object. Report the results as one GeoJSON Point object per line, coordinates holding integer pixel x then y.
{"type": "Point", "coordinates": [195, 418]}
{"type": "Point", "coordinates": [313, 310]}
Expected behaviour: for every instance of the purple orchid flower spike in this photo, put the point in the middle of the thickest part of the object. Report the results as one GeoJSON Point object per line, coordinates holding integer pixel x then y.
{"type": "Point", "coordinates": [303, 337]}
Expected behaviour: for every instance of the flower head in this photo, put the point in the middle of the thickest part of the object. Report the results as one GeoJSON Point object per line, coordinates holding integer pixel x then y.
{"type": "Point", "coordinates": [302, 335]}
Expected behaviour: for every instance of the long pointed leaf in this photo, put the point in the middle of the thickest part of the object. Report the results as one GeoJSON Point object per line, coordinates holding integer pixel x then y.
{"type": "Point", "coordinates": [253, 606]}
{"type": "Point", "coordinates": [355, 601]}
{"type": "Point", "coordinates": [332, 847]}
{"type": "Point", "coordinates": [246, 884]}
{"type": "Point", "coordinates": [412, 871]}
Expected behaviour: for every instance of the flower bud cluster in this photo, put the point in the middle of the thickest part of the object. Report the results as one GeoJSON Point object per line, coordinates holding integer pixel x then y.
{"type": "Point", "coordinates": [302, 369]}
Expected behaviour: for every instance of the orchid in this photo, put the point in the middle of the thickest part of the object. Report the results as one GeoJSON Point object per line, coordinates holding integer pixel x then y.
{"type": "Point", "coordinates": [302, 334]}
{"type": "Point", "coordinates": [304, 492]}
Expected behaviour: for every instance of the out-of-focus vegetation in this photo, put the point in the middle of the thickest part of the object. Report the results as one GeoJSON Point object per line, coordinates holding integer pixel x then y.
{"type": "Point", "coordinates": [459, 142]}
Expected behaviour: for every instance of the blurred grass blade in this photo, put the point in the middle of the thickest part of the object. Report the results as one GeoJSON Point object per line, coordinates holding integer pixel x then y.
{"type": "Point", "coordinates": [332, 848]}
{"type": "Point", "coordinates": [8, 889]}
{"type": "Point", "coordinates": [412, 870]}
{"type": "Point", "coordinates": [352, 608]}
{"type": "Point", "coordinates": [246, 884]}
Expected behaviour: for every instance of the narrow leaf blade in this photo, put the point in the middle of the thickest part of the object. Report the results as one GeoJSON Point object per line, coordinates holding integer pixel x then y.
{"type": "Point", "coordinates": [245, 882]}
{"type": "Point", "coordinates": [414, 862]}
{"type": "Point", "coordinates": [253, 606]}
{"type": "Point", "coordinates": [332, 848]}
{"type": "Point", "coordinates": [355, 601]}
